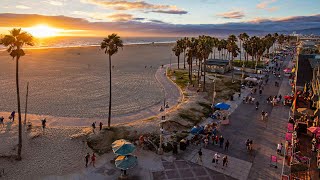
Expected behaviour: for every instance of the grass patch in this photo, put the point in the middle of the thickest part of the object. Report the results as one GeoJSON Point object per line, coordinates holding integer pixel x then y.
{"type": "Point", "coordinates": [101, 141]}
{"type": "Point", "coordinates": [180, 77]}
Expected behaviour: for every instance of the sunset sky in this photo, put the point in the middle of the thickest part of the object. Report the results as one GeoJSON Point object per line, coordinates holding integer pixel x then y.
{"type": "Point", "coordinates": [152, 17]}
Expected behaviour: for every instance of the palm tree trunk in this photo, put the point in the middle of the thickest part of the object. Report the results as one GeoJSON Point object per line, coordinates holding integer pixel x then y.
{"type": "Point", "coordinates": [204, 74]}
{"type": "Point", "coordinates": [191, 71]}
{"type": "Point", "coordinates": [19, 110]}
{"type": "Point", "coordinates": [109, 115]}
{"type": "Point", "coordinates": [178, 62]}
{"type": "Point", "coordinates": [199, 69]}
{"type": "Point", "coordinates": [219, 54]}
{"type": "Point", "coordinates": [240, 51]}
{"type": "Point", "coordinates": [184, 59]}
{"type": "Point", "coordinates": [214, 53]}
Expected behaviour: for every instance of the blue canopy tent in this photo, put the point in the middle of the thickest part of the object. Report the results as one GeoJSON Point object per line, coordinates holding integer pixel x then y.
{"type": "Point", "coordinates": [197, 130]}
{"type": "Point", "coordinates": [222, 106]}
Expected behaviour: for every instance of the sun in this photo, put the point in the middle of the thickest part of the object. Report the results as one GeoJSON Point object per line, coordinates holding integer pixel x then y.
{"type": "Point", "coordinates": [42, 31]}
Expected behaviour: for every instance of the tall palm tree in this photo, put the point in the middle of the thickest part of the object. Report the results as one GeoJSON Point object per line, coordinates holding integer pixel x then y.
{"type": "Point", "coordinates": [183, 46]}
{"type": "Point", "coordinates": [242, 37]}
{"type": "Point", "coordinates": [177, 51]}
{"type": "Point", "coordinates": [204, 49]}
{"type": "Point", "coordinates": [15, 42]}
{"type": "Point", "coordinates": [111, 45]}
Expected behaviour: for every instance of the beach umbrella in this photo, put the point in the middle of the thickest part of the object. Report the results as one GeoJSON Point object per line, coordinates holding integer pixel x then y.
{"type": "Point", "coordinates": [122, 147]}
{"type": "Point", "coordinates": [126, 162]}
{"type": "Point", "coordinates": [314, 130]}
{"type": "Point", "coordinates": [287, 70]}
{"type": "Point", "coordinates": [222, 106]}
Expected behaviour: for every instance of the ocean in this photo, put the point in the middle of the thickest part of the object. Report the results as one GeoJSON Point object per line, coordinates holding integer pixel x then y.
{"type": "Point", "coordinates": [62, 41]}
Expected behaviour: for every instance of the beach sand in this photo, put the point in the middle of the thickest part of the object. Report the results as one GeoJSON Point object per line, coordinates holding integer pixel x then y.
{"type": "Point", "coordinates": [73, 82]}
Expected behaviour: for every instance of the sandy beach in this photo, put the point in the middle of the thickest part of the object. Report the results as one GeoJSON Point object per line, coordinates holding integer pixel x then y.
{"type": "Point", "coordinates": [72, 82]}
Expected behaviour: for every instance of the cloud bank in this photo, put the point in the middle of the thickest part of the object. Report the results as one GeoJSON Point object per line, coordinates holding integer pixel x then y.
{"type": "Point", "coordinates": [140, 26]}
{"type": "Point", "coordinates": [232, 15]}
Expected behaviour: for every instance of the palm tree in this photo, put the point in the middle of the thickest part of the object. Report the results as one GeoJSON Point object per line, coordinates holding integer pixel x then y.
{"type": "Point", "coordinates": [177, 51]}
{"type": "Point", "coordinates": [15, 42]}
{"type": "Point", "coordinates": [242, 37]}
{"type": "Point", "coordinates": [183, 46]}
{"type": "Point", "coordinates": [111, 45]}
{"type": "Point", "coordinates": [204, 49]}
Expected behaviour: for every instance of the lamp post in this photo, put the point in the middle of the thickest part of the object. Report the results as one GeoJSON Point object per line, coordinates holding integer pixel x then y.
{"type": "Point", "coordinates": [214, 89]}
{"type": "Point", "coordinates": [163, 118]}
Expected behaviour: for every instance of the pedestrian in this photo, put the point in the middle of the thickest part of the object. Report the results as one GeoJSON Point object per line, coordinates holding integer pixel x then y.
{"type": "Point", "coordinates": [216, 158]}
{"type": "Point", "coordinates": [199, 159]}
{"type": "Point", "coordinates": [260, 92]}
{"type": "Point", "coordinates": [250, 144]}
{"type": "Point", "coordinates": [93, 160]}
{"type": "Point", "coordinates": [266, 116]}
{"type": "Point", "coordinates": [247, 144]}
{"type": "Point", "coordinates": [93, 127]}
{"type": "Point", "coordinates": [280, 97]}
{"type": "Point", "coordinates": [225, 161]}
{"type": "Point", "coordinates": [12, 116]}
{"type": "Point", "coordinates": [100, 124]}
{"type": "Point", "coordinates": [43, 122]}
{"type": "Point", "coordinates": [221, 139]}
{"type": "Point", "coordinates": [206, 141]}
{"type": "Point", "coordinates": [262, 115]}
{"type": "Point", "coordinates": [1, 121]}
{"type": "Point", "coordinates": [87, 157]}
{"type": "Point", "coordinates": [226, 145]}
{"type": "Point", "coordinates": [217, 139]}
{"type": "Point", "coordinates": [257, 105]}
{"type": "Point", "coordinates": [279, 148]}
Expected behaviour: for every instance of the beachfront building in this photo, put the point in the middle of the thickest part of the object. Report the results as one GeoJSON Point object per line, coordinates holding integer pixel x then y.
{"type": "Point", "coordinates": [218, 66]}
{"type": "Point", "coordinates": [304, 132]}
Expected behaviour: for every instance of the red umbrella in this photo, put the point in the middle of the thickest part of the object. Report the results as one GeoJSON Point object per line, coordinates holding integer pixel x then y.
{"type": "Point", "coordinates": [314, 130]}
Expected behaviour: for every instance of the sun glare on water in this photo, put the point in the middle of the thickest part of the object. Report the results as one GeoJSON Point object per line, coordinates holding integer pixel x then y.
{"type": "Point", "coordinates": [42, 31]}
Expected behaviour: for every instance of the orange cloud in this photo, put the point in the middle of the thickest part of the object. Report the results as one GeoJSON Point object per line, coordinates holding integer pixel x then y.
{"type": "Point", "coordinates": [232, 15]}
{"type": "Point", "coordinates": [136, 5]}
{"type": "Point", "coordinates": [265, 5]}
{"type": "Point", "coordinates": [121, 17]}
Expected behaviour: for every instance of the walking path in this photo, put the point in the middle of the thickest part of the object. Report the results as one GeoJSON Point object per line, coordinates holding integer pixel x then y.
{"type": "Point", "coordinates": [237, 168]}
{"type": "Point", "coordinates": [246, 123]}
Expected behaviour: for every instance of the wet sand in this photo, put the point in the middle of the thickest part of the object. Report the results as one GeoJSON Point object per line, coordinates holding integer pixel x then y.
{"type": "Point", "coordinates": [73, 82]}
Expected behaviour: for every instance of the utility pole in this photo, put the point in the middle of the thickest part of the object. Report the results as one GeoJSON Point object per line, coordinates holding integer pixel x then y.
{"type": "Point", "coordinates": [26, 109]}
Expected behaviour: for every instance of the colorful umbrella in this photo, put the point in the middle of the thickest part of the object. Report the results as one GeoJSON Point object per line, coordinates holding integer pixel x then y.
{"type": "Point", "coordinates": [126, 162]}
{"type": "Point", "coordinates": [222, 106]}
{"type": "Point", "coordinates": [122, 147]}
{"type": "Point", "coordinates": [287, 70]}
{"type": "Point", "coordinates": [314, 130]}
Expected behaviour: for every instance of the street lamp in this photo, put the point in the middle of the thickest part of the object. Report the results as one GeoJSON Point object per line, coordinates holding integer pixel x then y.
{"type": "Point", "coordinates": [163, 119]}
{"type": "Point", "coordinates": [214, 89]}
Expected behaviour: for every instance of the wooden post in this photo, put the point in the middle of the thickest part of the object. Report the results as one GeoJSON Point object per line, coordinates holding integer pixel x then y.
{"type": "Point", "coordinates": [26, 109]}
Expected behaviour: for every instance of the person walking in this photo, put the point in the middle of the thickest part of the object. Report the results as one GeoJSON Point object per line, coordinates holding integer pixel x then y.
{"type": "Point", "coordinates": [206, 141]}
{"type": "Point", "coordinates": [93, 127]}
{"type": "Point", "coordinates": [100, 124]}
{"type": "Point", "coordinates": [199, 159]}
{"type": "Point", "coordinates": [266, 116]}
{"type": "Point", "coordinates": [217, 139]}
{"type": "Point", "coordinates": [260, 92]}
{"type": "Point", "coordinates": [43, 122]}
{"type": "Point", "coordinates": [257, 105]}
{"type": "Point", "coordinates": [1, 121]}
{"type": "Point", "coordinates": [262, 115]}
{"type": "Point", "coordinates": [221, 140]}
{"type": "Point", "coordinates": [12, 116]}
{"type": "Point", "coordinates": [226, 145]}
{"type": "Point", "coordinates": [87, 157]}
{"type": "Point", "coordinates": [225, 161]}
{"type": "Point", "coordinates": [93, 160]}
{"type": "Point", "coordinates": [247, 144]}
{"type": "Point", "coordinates": [216, 158]}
